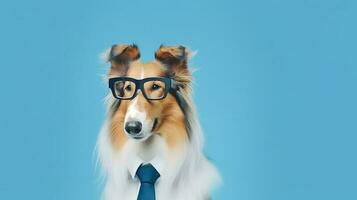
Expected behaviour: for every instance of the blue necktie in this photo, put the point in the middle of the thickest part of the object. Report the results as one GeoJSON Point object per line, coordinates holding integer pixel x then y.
{"type": "Point", "coordinates": [147, 175]}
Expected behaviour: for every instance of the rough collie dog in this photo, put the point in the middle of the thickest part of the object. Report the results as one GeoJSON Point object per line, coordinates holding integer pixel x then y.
{"type": "Point", "coordinates": [151, 119]}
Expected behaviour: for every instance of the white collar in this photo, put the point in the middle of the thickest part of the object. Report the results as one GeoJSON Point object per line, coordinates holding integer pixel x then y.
{"type": "Point", "coordinates": [135, 162]}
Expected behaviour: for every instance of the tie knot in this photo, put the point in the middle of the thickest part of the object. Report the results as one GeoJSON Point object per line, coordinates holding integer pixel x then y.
{"type": "Point", "coordinates": [147, 174]}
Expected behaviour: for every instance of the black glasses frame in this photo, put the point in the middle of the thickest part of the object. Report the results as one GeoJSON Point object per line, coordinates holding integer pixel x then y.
{"type": "Point", "coordinates": [139, 85]}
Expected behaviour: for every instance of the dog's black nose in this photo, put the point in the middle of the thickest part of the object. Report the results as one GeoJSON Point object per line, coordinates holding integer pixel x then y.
{"type": "Point", "coordinates": [133, 127]}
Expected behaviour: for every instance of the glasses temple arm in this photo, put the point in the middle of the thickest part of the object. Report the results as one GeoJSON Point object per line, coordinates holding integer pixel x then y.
{"type": "Point", "coordinates": [174, 84]}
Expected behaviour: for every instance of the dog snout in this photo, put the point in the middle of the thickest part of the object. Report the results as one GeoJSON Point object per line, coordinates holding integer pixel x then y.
{"type": "Point", "coordinates": [133, 127]}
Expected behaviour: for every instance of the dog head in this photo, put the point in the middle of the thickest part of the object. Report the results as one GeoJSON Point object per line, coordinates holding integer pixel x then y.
{"type": "Point", "coordinates": [139, 117]}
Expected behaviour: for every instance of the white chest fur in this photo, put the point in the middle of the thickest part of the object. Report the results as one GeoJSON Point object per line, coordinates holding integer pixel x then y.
{"type": "Point", "coordinates": [185, 173]}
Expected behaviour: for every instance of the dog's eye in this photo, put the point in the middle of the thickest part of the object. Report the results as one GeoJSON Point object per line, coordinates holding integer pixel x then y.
{"type": "Point", "coordinates": [128, 88]}
{"type": "Point", "coordinates": [155, 87]}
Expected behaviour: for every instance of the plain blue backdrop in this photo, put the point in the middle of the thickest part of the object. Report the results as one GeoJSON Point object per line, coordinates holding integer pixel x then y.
{"type": "Point", "coordinates": [275, 90]}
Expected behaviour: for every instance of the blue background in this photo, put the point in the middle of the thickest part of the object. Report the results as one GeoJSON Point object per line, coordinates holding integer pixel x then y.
{"type": "Point", "coordinates": [275, 91]}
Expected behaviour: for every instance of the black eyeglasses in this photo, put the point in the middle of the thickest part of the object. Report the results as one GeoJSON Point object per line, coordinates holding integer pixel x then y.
{"type": "Point", "coordinates": [153, 88]}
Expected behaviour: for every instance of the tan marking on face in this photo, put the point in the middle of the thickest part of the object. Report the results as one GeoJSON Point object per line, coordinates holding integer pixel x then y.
{"type": "Point", "coordinates": [118, 136]}
{"type": "Point", "coordinates": [172, 123]}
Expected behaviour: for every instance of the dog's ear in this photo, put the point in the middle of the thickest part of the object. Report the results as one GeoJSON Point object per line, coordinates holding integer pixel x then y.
{"type": "Point", "coordinates": [120, 57]}
{"type": "Point", "coordinates": [174, 57]}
